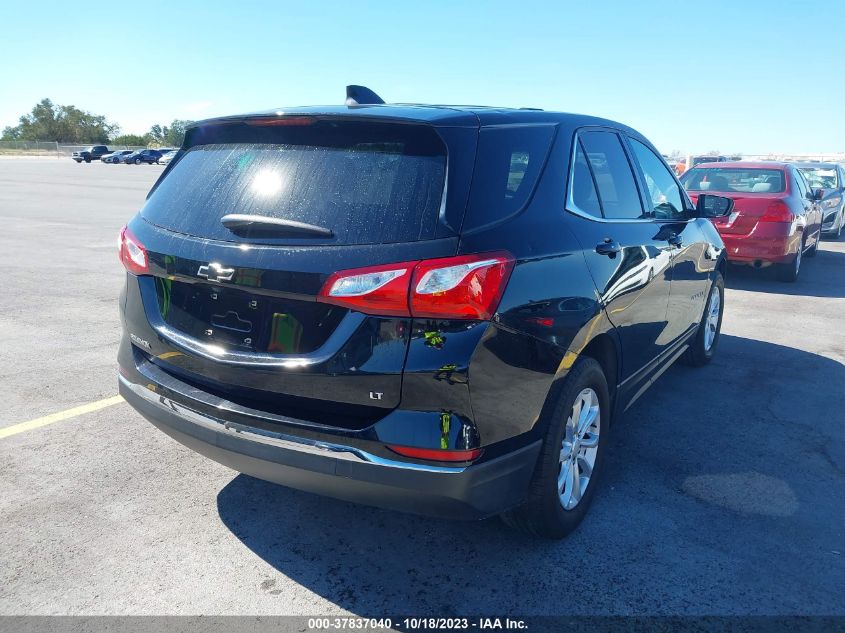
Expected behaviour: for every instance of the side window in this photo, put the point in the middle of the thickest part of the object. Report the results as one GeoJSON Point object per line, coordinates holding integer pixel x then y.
{"type": "Point", "coordinates": [584, 194]}
{"type": "Point", "coordinates": [663, 191]}
{"type": "Point", "coordinates": [519, 165]}
{"type": "Point", "coordinates": [801, 184]}
{"type": "Point", "coordinates": [507, 171]}
{"type": "Point", "coordinates": [613, 176]}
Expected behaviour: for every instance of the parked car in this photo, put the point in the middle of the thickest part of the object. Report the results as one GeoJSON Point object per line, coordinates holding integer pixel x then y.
{"type": "Point", "coordinates": [95, 152]}
{"type": "Point", "coordinates": [116, 156]}
{"type": "Point", "coordinates": [386, 330]}
{"type": "Point", "coordinates": [777, 217]}
{"type": "Point", "coordinates": [148, 156]}
{"type": "Point", "coordinates": [692, 161]}
{"type": "Point", "coordinates": [167, 156]}
{"type": "Point", "coordinates": [830, 178]}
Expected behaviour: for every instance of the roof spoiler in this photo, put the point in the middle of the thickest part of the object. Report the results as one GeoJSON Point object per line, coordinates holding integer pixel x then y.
{"type": "Point", "coordinates": [361, 95]}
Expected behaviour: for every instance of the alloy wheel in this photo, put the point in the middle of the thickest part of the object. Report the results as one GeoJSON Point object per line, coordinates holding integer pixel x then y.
{"type": "Point", "coordinates": [711, 324]}
{"type": "Point", "coordinates": [579, 448]}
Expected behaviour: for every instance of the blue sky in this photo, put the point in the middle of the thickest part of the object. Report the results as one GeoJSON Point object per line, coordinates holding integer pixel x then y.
{"type": "Point", "coordinates": [736, 76]}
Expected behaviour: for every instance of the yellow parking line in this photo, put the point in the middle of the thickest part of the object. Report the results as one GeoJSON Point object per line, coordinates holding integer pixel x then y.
{"type": "Point", "coordinates": [58, 417]}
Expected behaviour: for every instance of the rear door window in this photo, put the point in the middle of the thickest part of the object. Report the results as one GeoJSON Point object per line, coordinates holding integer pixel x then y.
{"type": "Point", "coordinates": [367, 183]}
{"type": "Point", "coordinates": [613, 176]}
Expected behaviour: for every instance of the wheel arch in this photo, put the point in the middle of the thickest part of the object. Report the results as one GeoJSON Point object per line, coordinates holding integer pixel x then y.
{"type": "Point", "coordinates": [604, 350]}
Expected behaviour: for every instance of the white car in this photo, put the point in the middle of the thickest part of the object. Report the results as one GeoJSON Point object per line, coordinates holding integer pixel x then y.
{"type": "Point", "coordinates": [117, 156]}
{"type": "Point", "coordinates": [167, 156]}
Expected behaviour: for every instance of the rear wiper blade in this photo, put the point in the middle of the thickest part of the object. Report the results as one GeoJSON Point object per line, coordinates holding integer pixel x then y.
{"type": "Point", "coordinates": [261, 224]}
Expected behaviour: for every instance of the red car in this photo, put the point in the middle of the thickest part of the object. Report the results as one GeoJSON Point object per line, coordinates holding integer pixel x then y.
{"type": "Point", "coordinates": [776, 219]}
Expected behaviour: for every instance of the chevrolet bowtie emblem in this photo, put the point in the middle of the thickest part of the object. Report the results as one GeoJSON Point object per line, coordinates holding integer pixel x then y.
{"type": "Point", "coordinates": [215, 272]}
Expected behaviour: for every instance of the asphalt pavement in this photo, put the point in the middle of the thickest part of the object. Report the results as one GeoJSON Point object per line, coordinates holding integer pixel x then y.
{"type": "Point", "coordinates": [724, 493]}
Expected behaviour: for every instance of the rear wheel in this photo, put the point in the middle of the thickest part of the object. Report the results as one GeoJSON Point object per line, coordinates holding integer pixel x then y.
{"type": "Point", "coordinates": [571, 459]}
{"type": "Point", "coordinates": [703, 346]}
{"type": "Point", "coordinates": [789, 272]}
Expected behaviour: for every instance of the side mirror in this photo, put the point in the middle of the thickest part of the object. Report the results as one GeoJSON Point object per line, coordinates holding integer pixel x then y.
{"type": "Point", "coordinates": [818, 194]}
{"type": "Point", "coordinates": [710, 206]}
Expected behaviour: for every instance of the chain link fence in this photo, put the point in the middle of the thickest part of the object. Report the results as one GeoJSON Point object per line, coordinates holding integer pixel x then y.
{"type": "Point", "coordinates": [30, 148]}
{"type": "Point", "coordinates": [50, 148]}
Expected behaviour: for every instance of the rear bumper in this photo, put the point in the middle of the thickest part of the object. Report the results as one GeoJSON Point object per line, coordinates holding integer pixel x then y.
{"type": "Point", "coordinates": [339, 471]}
{"type": "Point", "coordinates": [773, 249]}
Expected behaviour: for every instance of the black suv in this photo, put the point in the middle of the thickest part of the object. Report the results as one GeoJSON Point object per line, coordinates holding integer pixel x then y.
{"type": "Point", "coordinates": [436, 309]}
{"type": "Point", "coordinates": [148, 156]}
{"type": "Point", "coordinates": [95, 152]}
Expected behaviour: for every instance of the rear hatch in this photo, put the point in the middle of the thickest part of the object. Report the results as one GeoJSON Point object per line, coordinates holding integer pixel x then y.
{"type": "Point", "coordinates": [231, 304]}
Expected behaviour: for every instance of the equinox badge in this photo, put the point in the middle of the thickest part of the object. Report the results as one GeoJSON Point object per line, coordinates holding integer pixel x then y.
{"type": "Point", "coordinates": [215, 272]}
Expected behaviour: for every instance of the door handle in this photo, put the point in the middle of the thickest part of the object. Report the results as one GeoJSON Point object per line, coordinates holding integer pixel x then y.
{"type": "Point", "coordinates": [675, 240]}
{"type": "Point", "coordinates": [609, 247]}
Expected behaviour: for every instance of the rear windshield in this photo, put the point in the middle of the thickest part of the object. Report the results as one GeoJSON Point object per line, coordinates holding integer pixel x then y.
{"type": "Point", "coordinates": [727, 179]}
{"type": "Point", "coordinates": [368, 184]}
{"type": "Point", "coordinates": [821, 177]}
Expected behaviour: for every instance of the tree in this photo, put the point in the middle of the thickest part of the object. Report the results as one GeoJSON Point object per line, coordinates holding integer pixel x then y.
{"type": "Point", "coordinates": [132, 139]}
{"type": "Point", "coordinates": [169, 136]}
{"type": "Point", "coordinates": [62, 123]}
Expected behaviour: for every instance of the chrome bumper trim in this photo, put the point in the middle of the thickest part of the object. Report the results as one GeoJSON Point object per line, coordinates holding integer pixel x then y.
{"type": "Point", "coordinates": [289, 442]}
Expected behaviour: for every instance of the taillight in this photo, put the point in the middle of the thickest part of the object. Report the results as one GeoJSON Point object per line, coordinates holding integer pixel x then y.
{"type": "Point", "coordinates": [462, 287]}
{"type": "Point", "coordinates": [374, 290]}
{"type": "Point", "coordinates": [436, 454]}
{"type": "Point", "coordinates": [132, 253]}
{"type": "Point", "coordinates": [777, 212]}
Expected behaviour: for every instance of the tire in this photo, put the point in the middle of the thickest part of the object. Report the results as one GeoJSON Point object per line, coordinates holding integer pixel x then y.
{"type": "Point", "coordinates": [543, 513]}
{"type": "Point", "coordinates": [703, 345]}
{"type": "Point", "coordinates": [137, 161]}
{"type": "Point", "coordinates": [789, 272]}
{"type": "Point", "coordinates": [87, 160]}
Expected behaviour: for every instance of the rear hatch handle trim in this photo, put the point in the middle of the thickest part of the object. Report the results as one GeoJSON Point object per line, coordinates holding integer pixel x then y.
{"type": "Point", "coordinates": [337, 339]}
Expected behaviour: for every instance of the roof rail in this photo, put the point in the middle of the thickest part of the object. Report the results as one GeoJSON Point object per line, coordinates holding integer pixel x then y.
{"type": "Point", "coordinates": [361, 95]}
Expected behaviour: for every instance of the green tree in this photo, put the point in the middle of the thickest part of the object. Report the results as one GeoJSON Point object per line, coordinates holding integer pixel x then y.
{"type": "Point", "coordinates": [62, 123]}
{"type": "Point", "coordinates": [171, 136]}
{"type": "Point", "coordinates": [132, 139]}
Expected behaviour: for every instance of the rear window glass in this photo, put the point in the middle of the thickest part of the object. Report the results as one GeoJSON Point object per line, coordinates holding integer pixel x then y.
{"type": "Point", "coordinates": [368, 184]}
{"type": "Point", "coordinates": [727, 179]}
{"type": "Point", "coordinates": [507, 167]}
